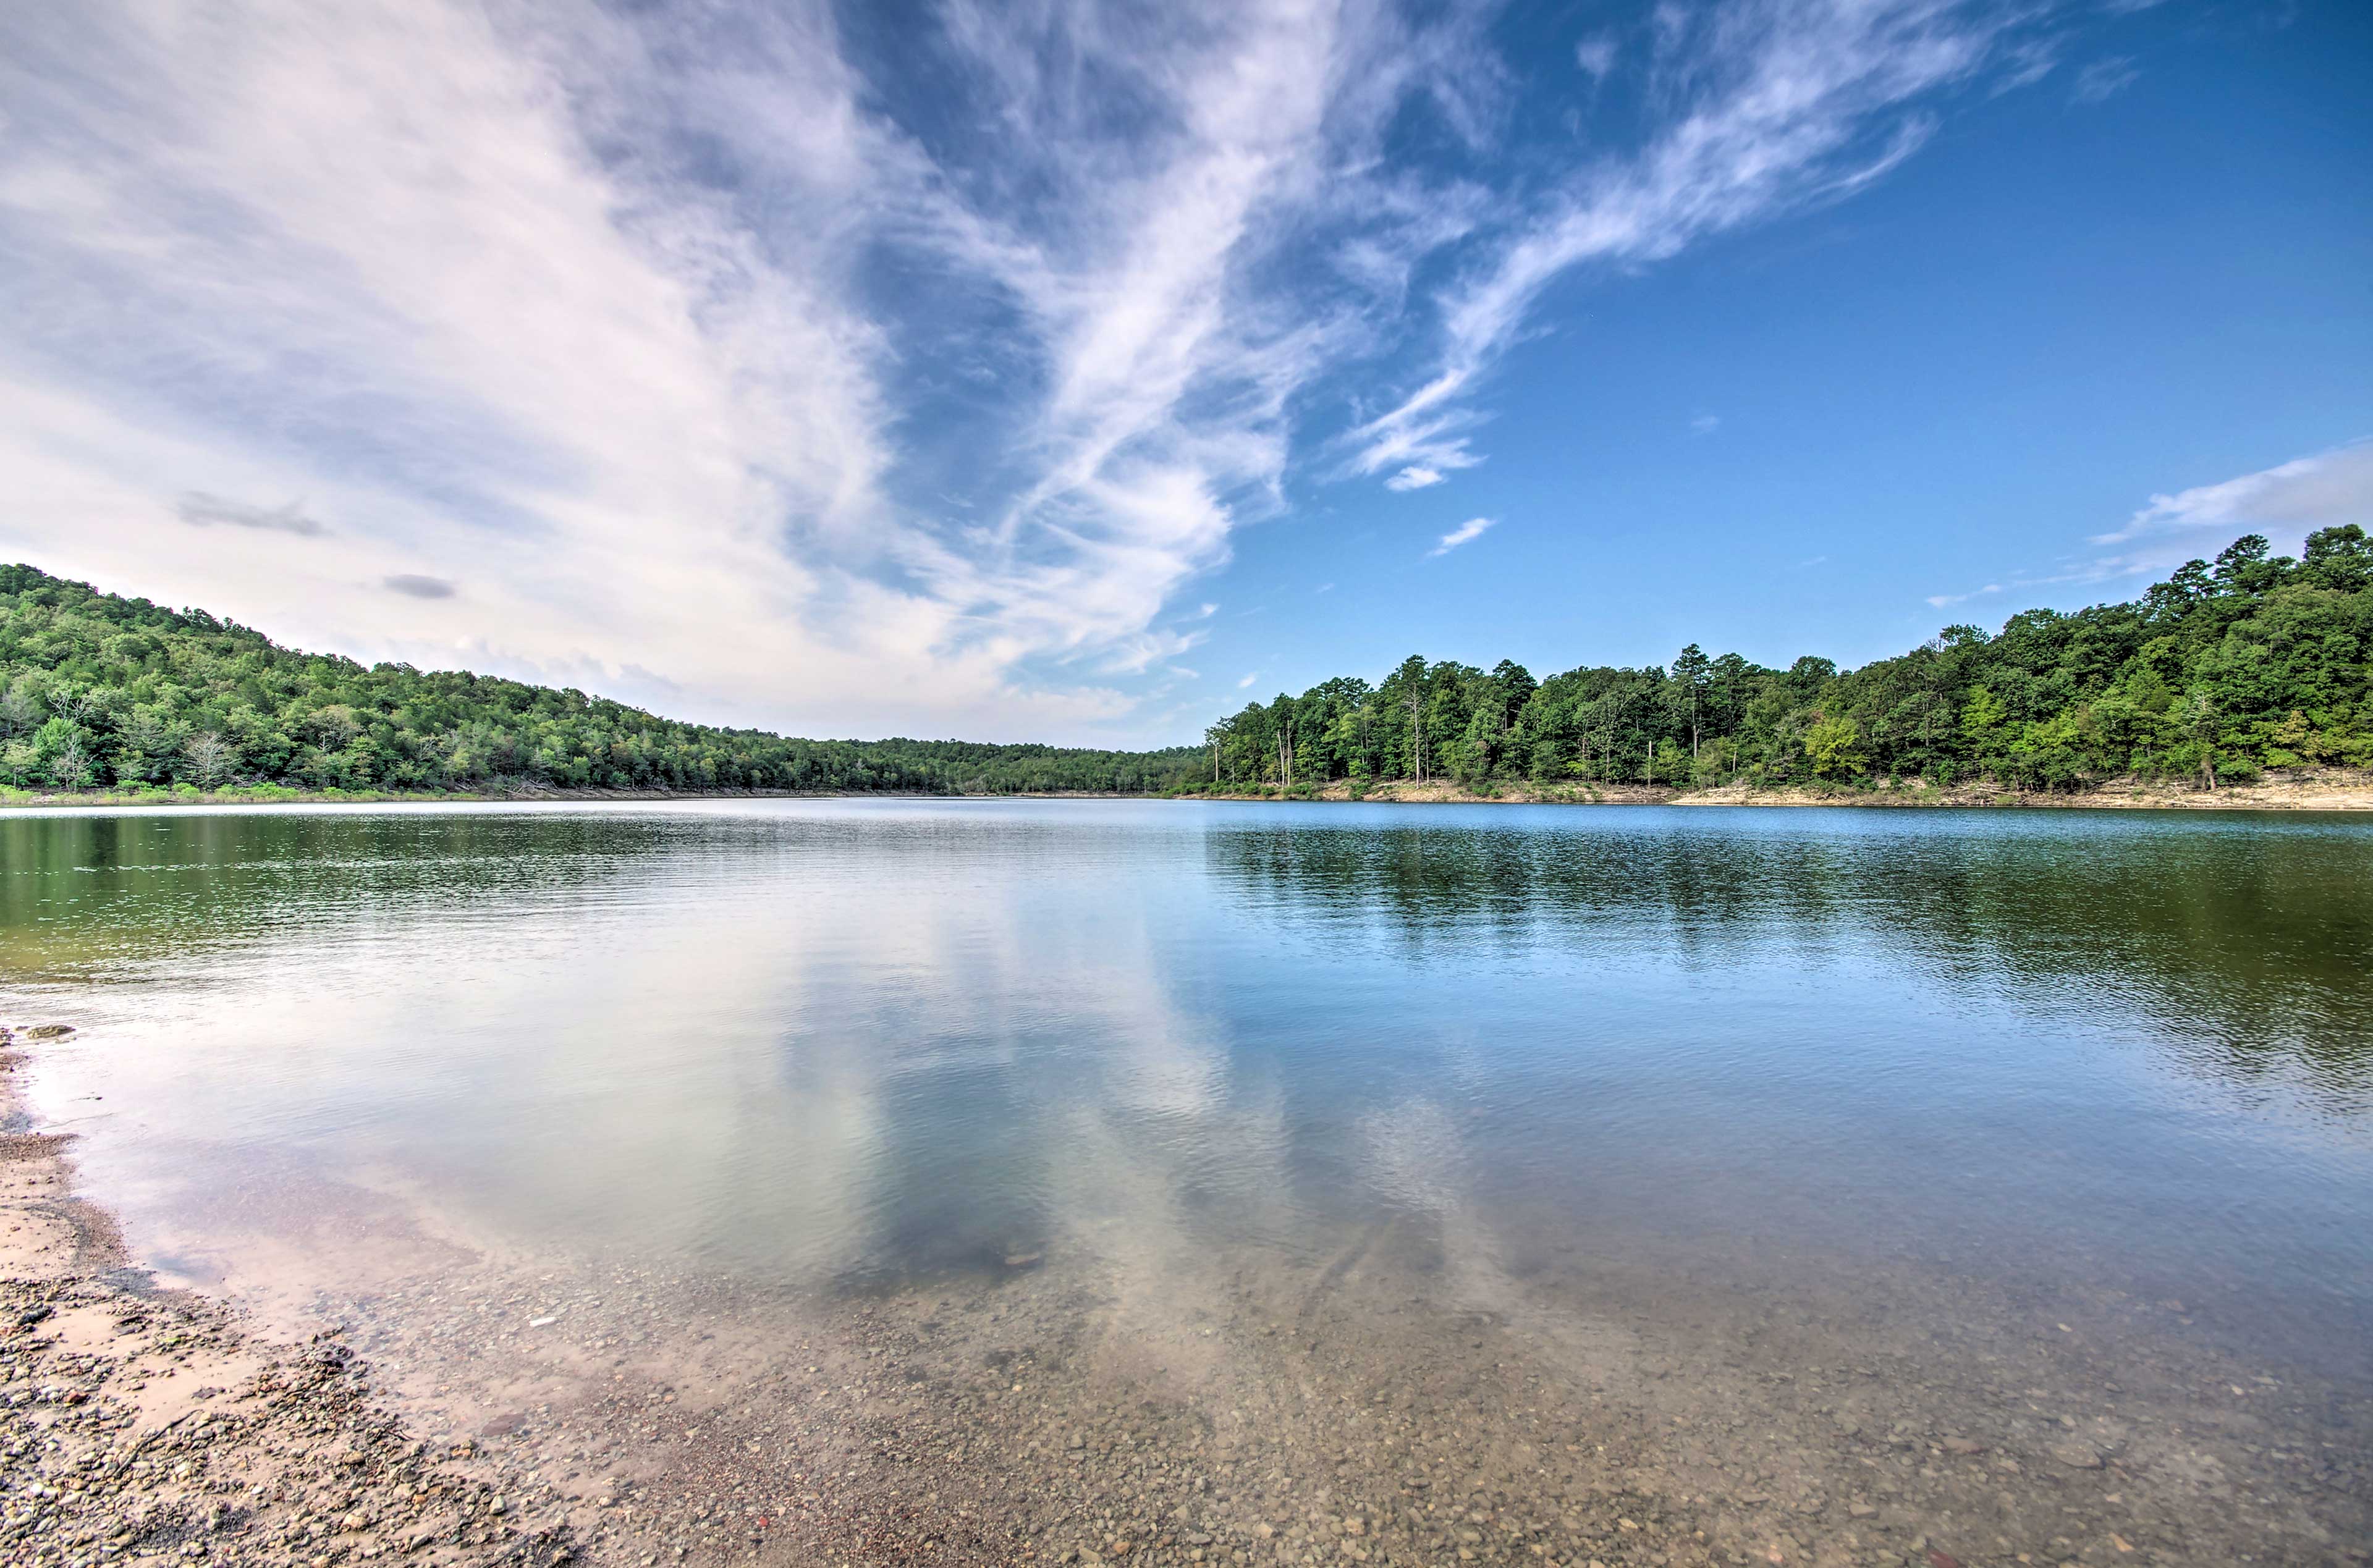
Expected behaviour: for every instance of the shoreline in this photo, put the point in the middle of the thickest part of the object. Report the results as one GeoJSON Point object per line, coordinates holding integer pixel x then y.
{"type": "Point", "coordinates": [2306, 790]}
{"type": "Point", "coordinates": [140, 1424]}
{"type": "Point", "coordinates": [2328, 790]}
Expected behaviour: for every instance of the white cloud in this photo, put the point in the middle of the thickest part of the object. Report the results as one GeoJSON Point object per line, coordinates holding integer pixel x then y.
{"type": "Point", "coordinates": [1706, 423]}
{"type": "Point", "coordinates": [2104, 78]}
{"type": "Point", "coordinates": [1776, 104]}
{"type": "Point", "coordinates": [2289, 500]}
{"type": "Point", "coordinates": [2027, 61]}
{"type": "Point", "coordinates": [577, 305]}
{"type": "Point", "coordinates": [2284, 503]}
{"type": "Point", "coordinates": [1247, 680]}
{"type": "Point", "coordinates": [1596, 55]}
{"type": "Point", "coordinates": [1466, 532]}
{"type": "Point", "coordinates": [665, 335]}
{"type": "Point", "coordinates": [376, 264]}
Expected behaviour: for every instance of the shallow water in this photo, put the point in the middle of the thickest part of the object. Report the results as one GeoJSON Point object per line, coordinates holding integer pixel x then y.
{"type": "Point", "coordinates": [849, 1039]}
{"type": "Point", "coordinates": [865, 1046]}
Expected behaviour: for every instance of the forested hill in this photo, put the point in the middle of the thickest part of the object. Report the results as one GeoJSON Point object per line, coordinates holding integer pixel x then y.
{"type": "Point", "coordinates": [2226, 668]}
{"type": "Point", "coordinates": [2254, 661]}
{"type": "Point", "coordinates": [101, 690]}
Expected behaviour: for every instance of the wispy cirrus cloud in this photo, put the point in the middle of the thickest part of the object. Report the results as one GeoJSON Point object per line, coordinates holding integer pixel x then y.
{"type": "Point", "coordinates": [2104, 79]}
{"type": "Point", "coordinates": [1764, 107]}
{"type": "Point", "coordinates": [1466, 532]}
{"type": "Point", "coordinates": [594, 299]}
{"type": "Point", "coordinates": [792, 364]}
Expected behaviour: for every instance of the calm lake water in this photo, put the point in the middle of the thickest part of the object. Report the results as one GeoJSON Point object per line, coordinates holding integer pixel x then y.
{"type": "Point", "coordinates": [847, 1044]}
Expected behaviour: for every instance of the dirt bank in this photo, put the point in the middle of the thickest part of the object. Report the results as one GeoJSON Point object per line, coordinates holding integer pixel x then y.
{"type": "Point", "coordinates": [2322, 790]}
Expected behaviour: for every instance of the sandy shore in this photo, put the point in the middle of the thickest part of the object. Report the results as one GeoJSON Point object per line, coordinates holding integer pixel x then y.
{"type": "Point", "coordinates": [1411, 1398]}
{"type": "Point", "coordinates": [2327, 790]}
{"type": "Point", "coordinates": [2336, 789]}
{"type": "Point", "coordinates": [145, 1425]}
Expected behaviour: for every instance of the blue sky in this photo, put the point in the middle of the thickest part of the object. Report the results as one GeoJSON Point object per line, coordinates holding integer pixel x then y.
{"type": "Point", "coordinates": [1075, 371]}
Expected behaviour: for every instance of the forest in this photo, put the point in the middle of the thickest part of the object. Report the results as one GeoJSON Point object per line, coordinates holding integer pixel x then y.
{"type": "Point", "coordinates": [102, 692]}
{"type": "Point", "coordinates": [2253, 661]}
{"type": "Point", "coordinates": [2226, 668]}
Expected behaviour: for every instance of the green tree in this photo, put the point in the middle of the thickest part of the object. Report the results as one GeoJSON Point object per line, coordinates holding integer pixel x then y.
{"type": "Point", "coordinates": [1691, 674]}
{"type": "Point", "coordinates": [1981, 720]}
{"type": "Point", "coordinates": [1834, 747]}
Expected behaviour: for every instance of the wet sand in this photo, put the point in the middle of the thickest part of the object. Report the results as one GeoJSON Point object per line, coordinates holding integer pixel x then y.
{"type": "Point", "coordinates": [1409, 1398]}
{"type": "Point", "coordinates": [139, 1425]}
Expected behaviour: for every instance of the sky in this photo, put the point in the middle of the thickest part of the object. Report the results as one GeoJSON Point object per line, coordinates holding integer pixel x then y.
{"type": "Point", "coordinates": [1077, 372]}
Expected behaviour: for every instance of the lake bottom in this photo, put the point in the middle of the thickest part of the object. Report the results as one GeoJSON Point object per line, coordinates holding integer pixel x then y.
{"type": "Point", "coordinates": [1405, 1398]}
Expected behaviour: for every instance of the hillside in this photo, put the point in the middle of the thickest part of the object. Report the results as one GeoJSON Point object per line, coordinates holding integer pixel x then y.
{"type": "Point", "coordinates": [2254, 661]}
{"type": "Point", "coordinates": [97, 690]}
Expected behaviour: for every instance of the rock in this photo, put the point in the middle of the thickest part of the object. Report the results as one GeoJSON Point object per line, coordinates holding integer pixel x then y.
{"type": "Point", "coordinates": [1962, 1445]}
{"type": "Point", "coordinates": [1024, 1260]}
{"type": "Point", "coordinates": [2076, 1455]}
{"type": "Point", "coordinates": [49, 1031]}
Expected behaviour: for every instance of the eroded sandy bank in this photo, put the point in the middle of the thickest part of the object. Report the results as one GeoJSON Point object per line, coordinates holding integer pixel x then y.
{"type": "Point", "coordinates": [2337, 789]}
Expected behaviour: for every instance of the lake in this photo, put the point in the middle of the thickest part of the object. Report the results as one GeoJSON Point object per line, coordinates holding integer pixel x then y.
{"type": "Point", "coordinates": [1974, 1115]}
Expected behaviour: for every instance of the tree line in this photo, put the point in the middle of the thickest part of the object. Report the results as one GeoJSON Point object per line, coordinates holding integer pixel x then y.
{"type": "Point", "coordinates": [98, 691]}
{"type": "Point", "coordinates": [2228, 668]}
